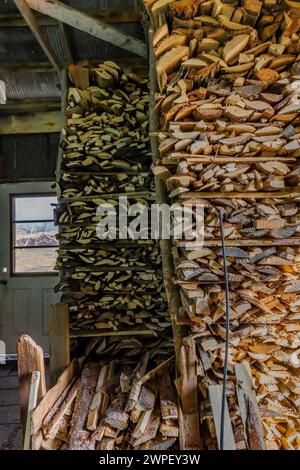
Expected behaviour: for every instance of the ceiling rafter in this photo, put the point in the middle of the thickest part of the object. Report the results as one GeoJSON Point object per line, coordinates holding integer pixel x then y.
{"type": "Point", "coordinates": [79, 20]}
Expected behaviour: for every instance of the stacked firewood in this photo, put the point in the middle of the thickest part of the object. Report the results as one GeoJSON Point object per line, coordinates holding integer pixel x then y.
{"type": "Point", "coordinates": [110, 285]}
{"type": "Point", "coordinates": [228, 105]}
{"type": "Point", "coordinates": [123, 402]}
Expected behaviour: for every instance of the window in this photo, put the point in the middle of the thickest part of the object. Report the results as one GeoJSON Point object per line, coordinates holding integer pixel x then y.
{"type": "Point", "coordinates": [33, 234]}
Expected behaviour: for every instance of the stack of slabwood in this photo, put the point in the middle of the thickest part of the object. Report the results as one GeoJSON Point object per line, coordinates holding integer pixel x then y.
{"type": "Point", "coordinates": [124, 400]}
{"type": "Point", "coordinates": [228, 103]}
{"type": "Point", "coordinates": [112, 285]}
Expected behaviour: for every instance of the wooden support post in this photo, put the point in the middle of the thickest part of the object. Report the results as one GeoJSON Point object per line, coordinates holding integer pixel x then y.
{"type": "Point", "coordinates": [190, 426]}
{"type": "Point", "coordinates": [38, 33]}
{"type": "Point", "coordinates": [32, 402]}
{"type": "Point", "coordinates": [59, 340]}
{"type": "Point", "coordinates": [30, 359]}
{"type": "Point", "coordinates": [161, 198]}
{"type": "Point", "coordinates": [89, 25]}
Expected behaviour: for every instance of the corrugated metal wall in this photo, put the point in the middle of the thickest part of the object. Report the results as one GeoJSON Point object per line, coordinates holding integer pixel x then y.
{"type": "Point", "coordinates": [27, 157]}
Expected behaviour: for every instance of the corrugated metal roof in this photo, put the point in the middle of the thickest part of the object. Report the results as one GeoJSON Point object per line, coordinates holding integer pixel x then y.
{"type": "Point", "coordinates": [8, 6]}
{"type": "Point", "coordinates": [102, 4]}
{"type": "Point", "coordinates": [55, 38]}
{"type": "Point", "coordinates": [89, 47]}
{"type": "Point", "coordinates": [19, 45]}
{"type": "Point", "coordinates": [31, 85]}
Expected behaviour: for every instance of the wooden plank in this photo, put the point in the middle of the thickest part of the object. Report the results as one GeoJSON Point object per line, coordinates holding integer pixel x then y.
{"type": "Point", "coordinates": [59, 340]}
{"type": "Point", "coordinates": [100, 333]}
{"type": "Point", "coordinates": [38, 33]}
{"type": "Point", "coordinates": [215, 395]}
{"type": "Point", "coordinates": [35, 123]}
{"type": "Point", "coordinates": [9, 415]}
{"type": "Point", "coordinates": [289, 192]}
{"type": "Point", "coordinates": [9, 398]}
{"type": "Point", "coordinates": [84, 22]}
{"type": "Point", "coordinates": [52, 396]}
{"type": "Point", "coordinates": [33, 396]}
{"type": "Point", "coordinates": [29, 67]}
{"type": "Point", "coordinates": [190, 438]}
{"type": "Point", "coordinates": [242, 242]}
{"type": "Point", "coordinates": [250, 414]}
{"type": "Point", "coordinates": [29, 106]}
{"type": "Point", "coordinates": [204, 160]}
{"type": "Point", "coordinates": [13, 20]}
{"type": "Point", "coordinates": [30, 359]}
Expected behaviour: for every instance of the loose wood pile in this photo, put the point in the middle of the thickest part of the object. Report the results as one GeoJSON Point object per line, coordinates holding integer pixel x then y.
{"type": "Point", "coordinates": [228, 103]}
{"type": "Point", "coordinates": [116, 404]}
{"type": "Point", "coordinates": [109, 285]}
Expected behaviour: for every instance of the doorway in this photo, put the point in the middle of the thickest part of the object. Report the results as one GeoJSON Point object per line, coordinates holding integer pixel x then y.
{"type": "Point", "coordinates": [27, 262]}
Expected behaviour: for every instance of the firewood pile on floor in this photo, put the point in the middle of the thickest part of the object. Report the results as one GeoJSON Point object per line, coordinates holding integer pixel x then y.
{"type": "Point", "coordinates": [124, 398]}
{"type": "Point", "coordinates": [228, 106]}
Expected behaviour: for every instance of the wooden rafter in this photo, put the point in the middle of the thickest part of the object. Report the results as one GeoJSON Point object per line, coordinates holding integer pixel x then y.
{"type": "Point", "coordinates": [38, 33]}
{"type": "Point", "coordinates": [83, 22]}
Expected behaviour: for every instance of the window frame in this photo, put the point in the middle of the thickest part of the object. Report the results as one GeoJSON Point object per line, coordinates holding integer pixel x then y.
{"type": "Point", "coordinates": [12, 223]}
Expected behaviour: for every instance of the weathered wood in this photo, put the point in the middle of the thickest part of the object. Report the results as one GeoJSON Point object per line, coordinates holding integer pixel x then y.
{"type": "Point", "coordinates": [52, 396]}
{"type": "Point", "coordinates": [82, 21]}
{"type": "Point", "coordinates": [93, 414]}
{"type": "Point", "coordinates": [29, 106]}
{"type": "Point", "coordinates": [215, 394]}
{"type": "Point", "coordinates": [191, 439]}
{"type": "Point", "coordinates": [30, 359]}
{"type": "Point", "coordinates": [59, 340]}
{"type": "Point", "coordinates": [168, 405]}
{"type": "Point", "coordinates": [59, 409]}
{"type": "Point", "coordinates": [33, 123]}
{"type": "Point", "coordinates": [38, 33]}
{"type": "Point", "coordinates": [33, 397]}
{"type": "Point", "coordinates": [82, 404]}
{"type": "Point", "coordinates": [249, 408]}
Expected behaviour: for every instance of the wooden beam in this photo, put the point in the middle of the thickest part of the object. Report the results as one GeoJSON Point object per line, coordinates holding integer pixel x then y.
{"type": "Point", "coordinates": [29, 67]}
{"type": "Point", "coordinates": [38, 33]}
{"type": "Point", "coordinates": [83, 22]}
{"type": "Point", "coordinates": [35, 123]}
{"type": "Point", "coordinates": [190, 422]}
{"type": "Point", "coordinates": [30, 359]}
{"type": "Point", "coordinates": [13, 20]}
{"type": "Point", "coordinates": [29, 106]}
{"type": "Point", "coordinates": [59, 340]}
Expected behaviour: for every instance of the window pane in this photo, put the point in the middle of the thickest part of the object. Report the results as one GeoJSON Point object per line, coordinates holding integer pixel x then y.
{"type": "Point", "coordinates": [34, 260]}
{"type": "Point", "coordinates": [34, 208]}
{"type": "Point", "coordinates": [35, 234]}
